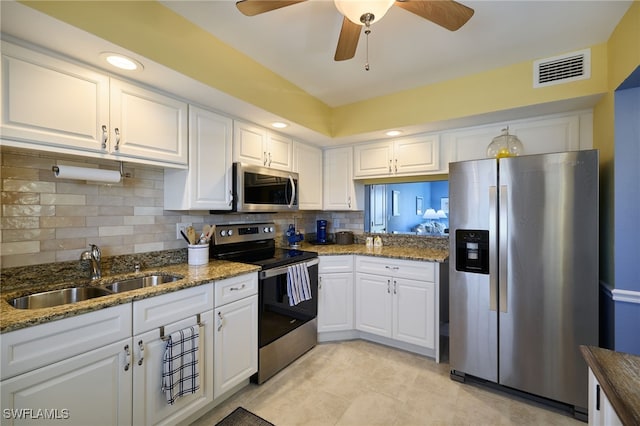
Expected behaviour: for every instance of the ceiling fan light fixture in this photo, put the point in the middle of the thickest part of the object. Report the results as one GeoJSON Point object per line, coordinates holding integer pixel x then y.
{"type": "Point", "coordinates": [354, 10]}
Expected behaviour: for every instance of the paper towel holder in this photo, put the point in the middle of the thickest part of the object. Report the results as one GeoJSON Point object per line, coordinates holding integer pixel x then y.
{"type": "Point", "coordinates": [56, 169]}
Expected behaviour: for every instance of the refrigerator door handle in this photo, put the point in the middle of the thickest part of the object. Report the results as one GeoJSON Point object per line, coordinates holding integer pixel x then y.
{"type": "Point", "coordinates": [493, 274]}
{"type": "Point", "coordinates": [504, 229]}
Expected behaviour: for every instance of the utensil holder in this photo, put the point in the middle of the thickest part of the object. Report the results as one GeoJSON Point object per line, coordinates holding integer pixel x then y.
{"type": "Point", "coordinates": [198, 254]}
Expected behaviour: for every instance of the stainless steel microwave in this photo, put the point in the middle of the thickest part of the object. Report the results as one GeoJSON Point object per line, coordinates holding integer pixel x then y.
{"type": "Point", "coordinates": [261, 189]}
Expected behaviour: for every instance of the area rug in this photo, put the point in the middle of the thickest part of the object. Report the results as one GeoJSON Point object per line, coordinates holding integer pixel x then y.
{"type": "Point", "coordinates": [242, 417]}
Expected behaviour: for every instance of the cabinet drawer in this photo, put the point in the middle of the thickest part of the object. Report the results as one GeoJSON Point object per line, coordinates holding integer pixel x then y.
{"type": "Point", "coordinates": [331, 264]}
{"type": "Point", "coordinates": [411, 269]}
{"type": "Point", "coordinates": [235, 288]}
{"type": "Point", "coordinates": [162, 310]}
{"type": "Point", "coordinates": [41, 345]}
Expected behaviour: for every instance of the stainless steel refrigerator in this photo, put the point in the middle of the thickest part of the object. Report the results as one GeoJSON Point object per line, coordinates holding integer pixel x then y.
{"type": "Point", "coordinates": [524, 272]}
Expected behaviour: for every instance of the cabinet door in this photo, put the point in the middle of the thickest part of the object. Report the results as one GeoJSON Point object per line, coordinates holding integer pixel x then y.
{"type": "Point", "coordinates": [147, 124]}
{"type": "Point", "coordinates": [335, 302]}
{"type": "Point", "coordinates": [601, 412]}
{"type": "Point", "coordinates": [235, 343]}
{"type": "Point", "coordinates": [207, 184]}
{"type": "Point", "coordinates": [373, 304]}
{"type": "Point", "coordinates": [279, 152]}
{"type": "Point", "coordinates": [416, 155]}
{"type": "Point", "coordinates": [52, 102]}
{"type": "Point", "coordinates": [89, 389]}
{"type": "Point", "coordinates": [374, 159]}
{"type": "Point", "coordinates": [339, 189]}
{"type": "Point", "coordinates": [249, 144]}
{"type": "Point", "coordinates": [414, 318]}
{"type": "Point", "coordinates": [308, 164]}
{"type": "Point", "coordinates": [150, 405]}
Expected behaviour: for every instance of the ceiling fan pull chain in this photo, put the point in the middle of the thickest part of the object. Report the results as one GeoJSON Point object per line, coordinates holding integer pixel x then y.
{"type": "Point", "coordinates": [366, 65]}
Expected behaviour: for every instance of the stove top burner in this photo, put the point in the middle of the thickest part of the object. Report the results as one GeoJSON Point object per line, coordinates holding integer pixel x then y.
{"type": "Point", "coordinates": [254, 244]}
{"type": "Point", "coordinates": [282, 257]}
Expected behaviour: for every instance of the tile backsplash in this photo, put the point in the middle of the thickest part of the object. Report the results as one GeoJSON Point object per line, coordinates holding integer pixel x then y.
{"type": "Point", "coordinates": [46, 219]}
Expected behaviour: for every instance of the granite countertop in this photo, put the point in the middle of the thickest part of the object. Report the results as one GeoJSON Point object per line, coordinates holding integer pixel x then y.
{"type": "Point", "coordinates": [13, 319]}
{"type": "Point", "coordinates": [426, 254]}
{"type": "Point", "coordinates": [619, 376]}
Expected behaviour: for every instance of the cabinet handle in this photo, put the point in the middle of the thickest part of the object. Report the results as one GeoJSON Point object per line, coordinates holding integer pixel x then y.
{"type": "Point", "coordinates": [127, 357]}
{"type": "Point", "coordinates": [105, 136]}
{"type": "Point", "coordinates": [220, 320]}
{"type": "Point", "coordinates": [395, 287]}
{"type": "Point", "coordinates": [117, 131]}
{"type": "Point", "coordinates": [393, 268]}
{"type": "Point", "coordinates": [319, 283]}
{"type": "Point", "coordinates": [389, 286]}
{"type": "Point", "coordinates": [230, 197]}
{"type": "Point", "coordinates": [269, 159]}
{"type": "Point", "coordinates": [237, 288]}
{"type": "Point", "coordinates": [141, 348]}
{"type": "Point", "coordinates": [349, 202]}
{"type": "Point", "coordinates": [396, 165]}
{"type": "Point", "coordinates": [389, 166]}
{"type": "Point", "coordinates": [264, 158]}
{"type": "Point", "coordinates": [598, 397]}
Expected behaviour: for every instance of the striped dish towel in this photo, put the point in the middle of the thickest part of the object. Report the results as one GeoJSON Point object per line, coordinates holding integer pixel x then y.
{"type": "Point", "coordinates": [180, 372]}
{"type": "Point", "coordinates": [298, 284]}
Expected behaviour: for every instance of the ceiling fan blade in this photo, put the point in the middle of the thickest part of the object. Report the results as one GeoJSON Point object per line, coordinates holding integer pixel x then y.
{"type": "Point", "coordinates": [446, 13]}
{"type": "Point", "coordinates": [256, 7]}
{"type": "Point", "coordinates": [348, 41]}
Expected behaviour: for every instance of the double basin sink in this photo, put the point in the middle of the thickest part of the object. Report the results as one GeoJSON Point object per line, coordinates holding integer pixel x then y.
{"type": "Point", "coordinates": [69, 295]}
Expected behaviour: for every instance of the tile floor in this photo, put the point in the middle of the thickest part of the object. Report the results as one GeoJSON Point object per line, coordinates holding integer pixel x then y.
{"type": "Point", "coordinates": [362, 383]}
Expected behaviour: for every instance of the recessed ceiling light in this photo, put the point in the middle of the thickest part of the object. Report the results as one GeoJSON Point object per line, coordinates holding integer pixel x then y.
{"type": "Point", "coordinates": [121, 61]}
{"type": "Point", "coordinates": [279, 125]}
{"type": "Point", "coordinates": [393, 132]}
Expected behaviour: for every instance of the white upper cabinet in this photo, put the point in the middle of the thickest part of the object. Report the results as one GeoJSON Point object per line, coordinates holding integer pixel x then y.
{"type": "Point", "coordinates": [147, 124]}
{"type": "Point", "coordinates": [308, 164]}
{"type": "Point", "coordinates": [401, 157]}
{"type": "Point", "coordinates": [55, 105]}
{"type": "Point", "coordinates": [207, 184]}
{"type": "Point", "coordinates": [339, 189]}
{"type": "Point", "coordinates": [52, 102]}
{"type": "Point", "coordinates": [555, 133]}
{"type": "Point", "coordinates": [255, 145]}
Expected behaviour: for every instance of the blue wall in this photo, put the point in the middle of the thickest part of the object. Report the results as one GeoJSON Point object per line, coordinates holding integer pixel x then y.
{"type": "Point", "coordinates": [627, 218]}
{"type": "Point", "coordinates": [431, 193]}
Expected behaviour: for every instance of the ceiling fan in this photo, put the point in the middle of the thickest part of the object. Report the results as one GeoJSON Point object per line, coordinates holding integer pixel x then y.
{"type": "Point", "coordinates": [358, 13]}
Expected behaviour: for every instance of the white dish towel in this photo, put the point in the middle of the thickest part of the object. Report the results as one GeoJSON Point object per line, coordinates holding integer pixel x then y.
{"type": "Point", "coordinates": [298, 284]}
{"type": "Point", "coordinates": [180, 370]}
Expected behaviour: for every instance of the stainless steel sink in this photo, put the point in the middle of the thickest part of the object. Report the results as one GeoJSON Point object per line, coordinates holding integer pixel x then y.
{"type": "Point", "coordinates": [52, 298]}
{"type": "Point", "coordinates": [140, 282]}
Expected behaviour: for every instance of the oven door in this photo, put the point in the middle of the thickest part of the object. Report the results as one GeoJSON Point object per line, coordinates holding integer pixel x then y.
{"type": "Point", "coordinates": [276, 316]}
{"type": "Point", "coordinates": [263, 189]}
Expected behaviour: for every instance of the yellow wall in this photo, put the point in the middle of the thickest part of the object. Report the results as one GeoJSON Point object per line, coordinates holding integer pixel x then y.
{"type": "Point", "coordinates": [623, 50]}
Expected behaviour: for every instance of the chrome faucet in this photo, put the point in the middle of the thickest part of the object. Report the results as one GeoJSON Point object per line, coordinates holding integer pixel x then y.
{"type": "Point", "coordinates": [94, 255]}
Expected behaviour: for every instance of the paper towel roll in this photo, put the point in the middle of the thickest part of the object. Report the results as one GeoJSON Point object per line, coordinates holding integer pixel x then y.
{"type": "Point", "coordinates": [85, 173]}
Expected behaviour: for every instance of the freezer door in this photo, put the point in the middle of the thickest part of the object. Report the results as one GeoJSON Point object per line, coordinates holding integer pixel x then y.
{"type": "Point", "coordinates": [548, 272]}
{"type": "Point", "coordinates": [473, 326]}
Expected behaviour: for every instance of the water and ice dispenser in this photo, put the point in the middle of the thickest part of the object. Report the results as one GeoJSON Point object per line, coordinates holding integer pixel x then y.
{"type": "Point", "coordinates": [472, 251]}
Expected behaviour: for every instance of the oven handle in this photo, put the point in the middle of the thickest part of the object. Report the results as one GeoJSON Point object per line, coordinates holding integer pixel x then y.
{"type": "Point", "coordinates": [283, 270]}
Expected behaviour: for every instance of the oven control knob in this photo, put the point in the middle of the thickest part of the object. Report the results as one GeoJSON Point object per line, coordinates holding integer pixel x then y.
{"type": "Point", "coordinates": [223, 233]}
{"type": "Point", "coordinates": [230, 233]}
{"type": "Point", "coordinates": [266, 229]}
{"type": "Point", "coordinates": [271, 229]}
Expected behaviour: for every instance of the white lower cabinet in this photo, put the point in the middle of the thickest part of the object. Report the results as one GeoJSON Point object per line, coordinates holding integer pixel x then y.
{"type": "Point", "coordinates": [335, 293]}
{"type": "Point", "coordinates": [397, 299]}
{"type": "Point", "coordinates": [76, 370]}
{"type": "Point", "coordinates": [154, 319]}
{"type": "Point", "coordinates": [108, 376]}
{"type": "Point", "coordinates": [601, 412]}
{"type": "Point", "coordinates": [236, 332]}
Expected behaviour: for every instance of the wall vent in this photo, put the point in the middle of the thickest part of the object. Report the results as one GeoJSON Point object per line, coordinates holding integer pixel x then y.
{"type": "Point", "coordinates": [562, 69]}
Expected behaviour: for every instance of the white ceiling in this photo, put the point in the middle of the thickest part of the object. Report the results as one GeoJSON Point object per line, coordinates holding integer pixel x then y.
{"type": "Point", "coordinates": [298, 42]}
{"type": "Point", "coordinates": [405, 51]}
